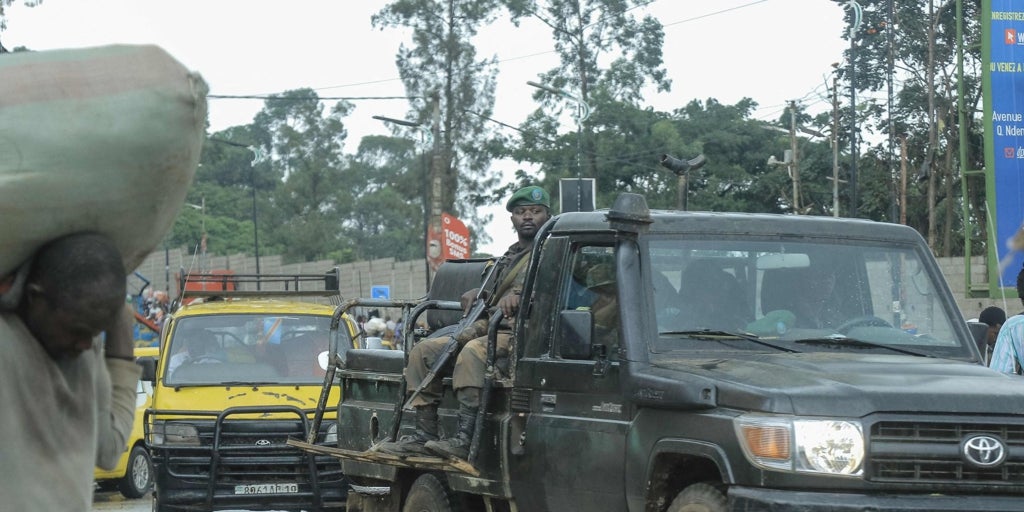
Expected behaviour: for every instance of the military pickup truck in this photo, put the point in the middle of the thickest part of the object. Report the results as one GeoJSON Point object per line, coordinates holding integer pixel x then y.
{"type": "Point", "coordinates": [750, 362]}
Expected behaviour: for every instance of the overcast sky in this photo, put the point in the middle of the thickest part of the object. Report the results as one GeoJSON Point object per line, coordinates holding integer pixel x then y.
{"type": "Point", "coordinates": [772, 51]}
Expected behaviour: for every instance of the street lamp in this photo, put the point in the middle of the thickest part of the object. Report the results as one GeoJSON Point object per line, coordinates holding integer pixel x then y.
{"type": "Point", "coordinates": [582, 113]}
{"type": "Point", "coordinates": [429, 139]}
{"type": "Point", "coordinates": [257, 156]}
{"type": "Point", "coordinates": [858, 14]}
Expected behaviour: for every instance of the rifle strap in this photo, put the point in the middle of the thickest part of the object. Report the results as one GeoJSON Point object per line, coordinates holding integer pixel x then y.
{"type": "Point", "coordinates": [510, 275]}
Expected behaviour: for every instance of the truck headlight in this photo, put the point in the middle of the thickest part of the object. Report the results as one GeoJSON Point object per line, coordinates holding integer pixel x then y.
{"type": "Point", "coordinates": [180, 434]}
{"type": "Point", "coordinates": [331, 437]}
{"type": "Point", "coordinates": [828, 446]}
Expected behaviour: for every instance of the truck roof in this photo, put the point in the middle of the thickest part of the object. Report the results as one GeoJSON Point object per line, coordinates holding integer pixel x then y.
{"type": "Point", "coordinates": [676, 222]}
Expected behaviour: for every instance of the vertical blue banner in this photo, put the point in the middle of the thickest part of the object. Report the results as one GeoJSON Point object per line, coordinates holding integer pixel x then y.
{"type": "Point", "coordinates": [1006, 75]}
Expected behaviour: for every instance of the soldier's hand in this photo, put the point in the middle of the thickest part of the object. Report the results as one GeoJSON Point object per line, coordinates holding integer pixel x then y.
{"type": "Point", "coordinates": [508, 304]}
{"type": "Point", "coordinates": [467, 299]}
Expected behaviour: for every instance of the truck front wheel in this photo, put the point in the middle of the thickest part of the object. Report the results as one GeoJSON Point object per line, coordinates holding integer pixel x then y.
{"type": "Point", "coordinates": [699, 498]}
{"type": "Point", "coordinates": [428, 494]}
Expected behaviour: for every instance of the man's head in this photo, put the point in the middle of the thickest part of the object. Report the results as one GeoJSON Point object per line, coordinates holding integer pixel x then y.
{"type": "Point", "coordinates": [530, 208]}
{"type": "Point", "coordinates": [74, 291]}
{"type": "Point", "coordinates": [994, 317]}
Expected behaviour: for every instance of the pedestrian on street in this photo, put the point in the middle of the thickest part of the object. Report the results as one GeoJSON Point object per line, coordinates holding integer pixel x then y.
{"type": "Point", "coordinates": [1006, 355]}
{"type": "Point", "coordinates": [68, 394]}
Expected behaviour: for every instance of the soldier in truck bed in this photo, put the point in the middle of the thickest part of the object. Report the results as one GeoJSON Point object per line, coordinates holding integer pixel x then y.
{"type": "Point", "coordinates": [530, 209]}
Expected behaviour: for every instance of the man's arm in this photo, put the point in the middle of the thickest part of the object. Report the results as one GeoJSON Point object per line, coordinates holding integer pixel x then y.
{"type": "Point", "coordinates": [116, 393]}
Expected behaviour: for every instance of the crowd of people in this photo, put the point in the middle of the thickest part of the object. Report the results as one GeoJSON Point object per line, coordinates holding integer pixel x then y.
{"type": "Point", "coordinates": [380, 333]}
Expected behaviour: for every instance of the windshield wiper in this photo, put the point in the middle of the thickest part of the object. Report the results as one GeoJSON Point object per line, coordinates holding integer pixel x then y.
{"type": "Point", "coordinates": [719, 335]}
{"type": "Point", "coordinates": [843, 341]}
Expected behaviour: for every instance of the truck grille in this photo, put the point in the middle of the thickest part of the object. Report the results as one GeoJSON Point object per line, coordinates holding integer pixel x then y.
{"type": "Point", "coordinates": [932, 453]}
{"type": "Point", "coordinates": [251, 452]}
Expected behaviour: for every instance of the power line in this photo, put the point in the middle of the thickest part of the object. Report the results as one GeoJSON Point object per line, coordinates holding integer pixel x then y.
{"type": "Point", "coordinates": [273, 97]}
{"type": "Point", "coordinates": [500, 61]}
{"type": "Point", "coordinates": [708, 15]}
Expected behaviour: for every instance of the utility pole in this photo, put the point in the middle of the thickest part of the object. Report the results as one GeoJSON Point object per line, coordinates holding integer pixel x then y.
{"type": "Point", "coordinates": [903, 179]}
{"type": "Point", "coordinates": [436, 162]}
{"type": "Point", "coordinates": [854, 27]}
{"type": "Point", "coordinates": [835, 145]}
{"type": "Point", "coordinates": [794, 165]}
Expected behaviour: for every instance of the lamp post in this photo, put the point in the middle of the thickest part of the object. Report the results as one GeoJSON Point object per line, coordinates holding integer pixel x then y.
{"type": "Point", "coordinates": [257, 156]}
{"type": "Point", "coordinates": [854, 26]}
{"type": "Point", "coordinates": [429, 139]}
{"type": "Point", "coordinates": [582, 113]}
{"type": "Point", "coordinates": [255, 228]}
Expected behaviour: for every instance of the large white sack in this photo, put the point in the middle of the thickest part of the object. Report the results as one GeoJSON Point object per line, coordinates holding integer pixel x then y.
{"type": "Point", "coordinates": [99, 139]}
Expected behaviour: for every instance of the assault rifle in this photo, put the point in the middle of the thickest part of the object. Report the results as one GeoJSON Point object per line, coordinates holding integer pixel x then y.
{"type": "Point", "coordinates": [476, 310]}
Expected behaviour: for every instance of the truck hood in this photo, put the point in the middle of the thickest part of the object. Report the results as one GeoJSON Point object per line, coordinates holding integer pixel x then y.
{"type": "Point", "coordinates": [840, 384]}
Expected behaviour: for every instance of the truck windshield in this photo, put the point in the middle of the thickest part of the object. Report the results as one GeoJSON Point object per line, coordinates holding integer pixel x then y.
{"type": "Point", "coordinates": [246, 348]}
{"type": "Point", "coordinates": [799, 295]}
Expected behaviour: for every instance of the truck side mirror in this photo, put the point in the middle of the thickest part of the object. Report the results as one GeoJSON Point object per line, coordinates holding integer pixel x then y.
{"type": "Point", "coordinates": [148, 364]}
{"type": "Point", "coordinates": [576, 332]}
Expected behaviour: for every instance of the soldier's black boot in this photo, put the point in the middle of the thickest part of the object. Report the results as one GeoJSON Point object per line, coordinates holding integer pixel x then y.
{"type": "Point", "coordinates": [458, 445]}
{"type": "Point", "coordinates": [413, 444]}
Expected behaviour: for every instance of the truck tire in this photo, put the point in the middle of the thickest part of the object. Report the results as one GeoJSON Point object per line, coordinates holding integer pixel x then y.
{"type": "Point", "coordinates": [158, 505]}
{"type": "Point", "coordinates": [699, 498]}
{"type": "Point", "coordinates": [428, 494]}
{"type": "Point", "coordinates": [138, 476]}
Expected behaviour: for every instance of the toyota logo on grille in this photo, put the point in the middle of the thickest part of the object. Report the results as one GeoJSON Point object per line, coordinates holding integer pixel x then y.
{"type": "Point", "coordinates": [984, 451]}
{"type": "Point", "coordinates": [262, 442]}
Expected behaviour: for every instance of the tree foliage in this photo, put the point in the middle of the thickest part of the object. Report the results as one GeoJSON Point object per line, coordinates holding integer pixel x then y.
{"type": "Point", "coordinates": [441, 70]}
{"type": "Point", "coordinates": [285, 182]}
{"type": "Point", "coordinates": [312, 200]}
{"type": "Point", "coordinates": [921, 38]}
{"type": "Point", "coordinates": [585, 33]}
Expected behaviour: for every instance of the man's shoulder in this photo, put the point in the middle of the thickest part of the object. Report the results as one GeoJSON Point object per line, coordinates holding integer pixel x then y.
{"type": "Point", "coordinates": [1012, 325]}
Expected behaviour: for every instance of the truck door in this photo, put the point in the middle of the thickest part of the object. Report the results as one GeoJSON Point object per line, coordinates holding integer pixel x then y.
{"type": "Point", "coordinates": [568, 449]}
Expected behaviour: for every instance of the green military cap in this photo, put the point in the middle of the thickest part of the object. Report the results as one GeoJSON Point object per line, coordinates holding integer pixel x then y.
{"type": "Point", "coordinates": [528, 196]}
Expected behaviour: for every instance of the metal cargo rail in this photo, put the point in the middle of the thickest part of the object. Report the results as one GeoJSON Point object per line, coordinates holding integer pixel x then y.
{"type": "Point", "coordinates": [260, 285]}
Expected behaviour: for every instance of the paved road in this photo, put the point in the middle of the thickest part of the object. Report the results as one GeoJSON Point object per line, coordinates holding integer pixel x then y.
{"type": "Point", "coordinates": [114, 501]}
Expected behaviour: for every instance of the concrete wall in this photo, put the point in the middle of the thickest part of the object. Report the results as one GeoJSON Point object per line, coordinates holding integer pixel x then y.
{"type": "Point", "coordinates": [407, 279]}
{"type": "Point", "coordinates": [953, 270]}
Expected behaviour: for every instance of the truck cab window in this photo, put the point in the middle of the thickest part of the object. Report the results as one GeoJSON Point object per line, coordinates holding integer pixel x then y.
{"type": "Point", "coordinates": [592, 286]}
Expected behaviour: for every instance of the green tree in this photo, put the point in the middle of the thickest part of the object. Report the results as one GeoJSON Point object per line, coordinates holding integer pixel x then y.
{"type": "Point", "coordinates": [225, 185]}
{"type": "Point", "coordinates": [629, 142]}
{"type": "Point", "coordinates": [304, 146]}
{"type": "Point", "coordinates": [387, 176]}
{"type": "Point", "coordinates": [923, 57]}
{"type": "Point", "coordinates": [453, 91]}
{"type": "Point", "coordinates": [585, 33]}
